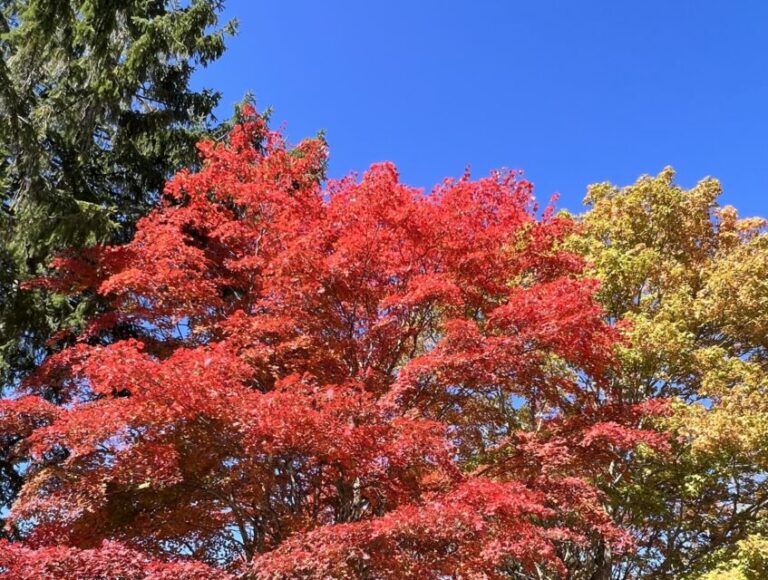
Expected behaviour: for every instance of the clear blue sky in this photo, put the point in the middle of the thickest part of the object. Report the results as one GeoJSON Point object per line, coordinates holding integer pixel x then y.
{"type": "Point", "coordinates": [570, 92]}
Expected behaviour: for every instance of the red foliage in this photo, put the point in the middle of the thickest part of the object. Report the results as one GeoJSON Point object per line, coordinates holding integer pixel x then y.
{"type": "Point", "coordinates": [110, 560]}
{"type": "Point", "coordinates": [360, 380]}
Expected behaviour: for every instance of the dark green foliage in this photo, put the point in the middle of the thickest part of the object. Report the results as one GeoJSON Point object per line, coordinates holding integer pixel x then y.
{"type": "Point", "coordinates": [96, 113]}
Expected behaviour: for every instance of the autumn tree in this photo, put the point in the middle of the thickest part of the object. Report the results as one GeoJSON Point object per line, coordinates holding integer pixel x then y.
{"type": "Point", "coordinates": [685, 278]}
{"type": "Point", "coordinates": [350, 379]}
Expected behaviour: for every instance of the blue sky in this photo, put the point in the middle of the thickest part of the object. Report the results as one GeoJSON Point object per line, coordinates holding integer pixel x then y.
{"type": "Point", "coordinates": [570, 92]}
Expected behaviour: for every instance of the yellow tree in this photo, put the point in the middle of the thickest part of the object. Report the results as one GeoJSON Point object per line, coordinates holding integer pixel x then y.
{"type": "Point", "coordinates": [688, 282]}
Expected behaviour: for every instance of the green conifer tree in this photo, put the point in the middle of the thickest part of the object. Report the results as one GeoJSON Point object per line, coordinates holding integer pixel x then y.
{"type": "Point", "coordinates": [96, 112]}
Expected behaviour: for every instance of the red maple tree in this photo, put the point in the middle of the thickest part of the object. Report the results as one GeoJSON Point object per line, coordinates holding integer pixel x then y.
{"type": "Point", "coordinates": [292, 380]}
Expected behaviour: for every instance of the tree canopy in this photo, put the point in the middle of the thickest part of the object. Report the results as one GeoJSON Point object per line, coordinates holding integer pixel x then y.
{"type": "Point", "coordinates": [217, 363]}
{"type": "Point", "coordinates": [687, 280]}
{"type": "Point", "coordinates": [349, 380]}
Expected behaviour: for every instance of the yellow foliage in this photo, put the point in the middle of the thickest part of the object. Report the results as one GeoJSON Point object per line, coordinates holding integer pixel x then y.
{"type": "Point", "coordinates": [689, 282]}
{"type": "Point", "coordinates": [749, 563]}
